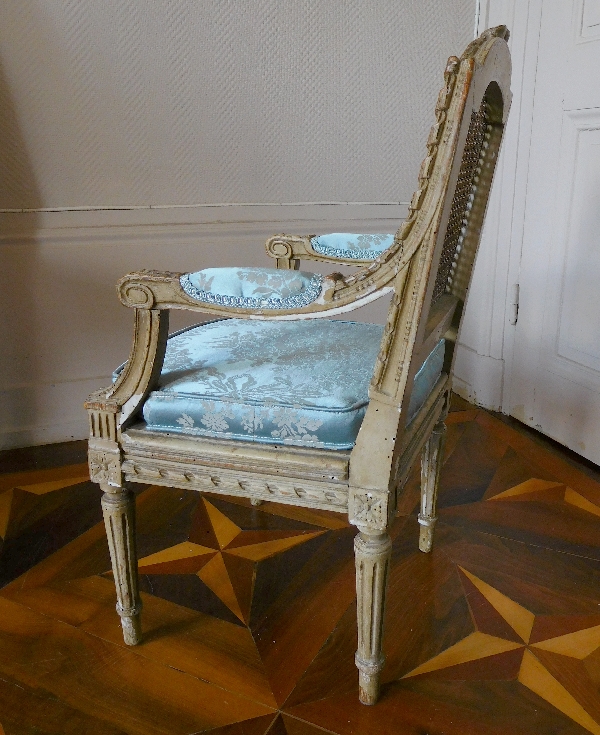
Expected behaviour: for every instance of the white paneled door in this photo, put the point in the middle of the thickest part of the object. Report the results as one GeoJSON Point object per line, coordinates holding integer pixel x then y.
{"type": "Point", "coordinates": [553, 382]}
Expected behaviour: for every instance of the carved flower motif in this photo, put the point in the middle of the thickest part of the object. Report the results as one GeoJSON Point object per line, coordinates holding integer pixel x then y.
{"type": "Point", "coordinates": [102, 469]}
{"type": "Point", "coordinates": [369, 509]}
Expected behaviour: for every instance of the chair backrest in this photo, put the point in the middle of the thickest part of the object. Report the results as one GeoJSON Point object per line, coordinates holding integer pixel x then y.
{"type": "Point", "coordinates": [432, 259]}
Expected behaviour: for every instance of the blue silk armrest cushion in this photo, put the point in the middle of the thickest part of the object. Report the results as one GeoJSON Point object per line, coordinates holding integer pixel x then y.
{"type": "Point", "coordinates": [253, 288]}
{"type": "Point", "coordinates": [347, 246]}
{"type": "Point", "coordinates": [270, 288]}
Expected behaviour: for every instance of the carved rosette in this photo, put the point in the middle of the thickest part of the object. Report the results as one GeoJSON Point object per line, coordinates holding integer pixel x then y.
{"type": "Point", "coordinates": [105, 467]}
{"type": "Point", "coordinates": [369, 508]}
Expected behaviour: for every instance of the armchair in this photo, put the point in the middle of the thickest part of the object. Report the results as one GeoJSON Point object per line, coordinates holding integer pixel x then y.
{"type": "Point", "coordinates": [274, 400]}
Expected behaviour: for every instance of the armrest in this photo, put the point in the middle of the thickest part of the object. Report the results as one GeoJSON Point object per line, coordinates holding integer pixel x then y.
{"type": "Point", "coordinates": [251, 293]}
{"type": "Point", "coordinates": [337, 247]}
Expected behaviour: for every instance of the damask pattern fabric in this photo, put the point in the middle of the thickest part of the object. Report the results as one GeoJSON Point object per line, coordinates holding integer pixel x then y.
{"type": "Point", "coordinates": [354, 247]}
{"type": "Point", "coordinates": [253, 288]}
{"type": "Point", "coordinates": [303, 383]}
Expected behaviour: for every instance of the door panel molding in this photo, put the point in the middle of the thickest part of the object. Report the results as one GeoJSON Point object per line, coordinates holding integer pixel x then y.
{"type": "Point", "coordinates": [589, 25]}
{"type": "Point", "coordinates": [573, 349]}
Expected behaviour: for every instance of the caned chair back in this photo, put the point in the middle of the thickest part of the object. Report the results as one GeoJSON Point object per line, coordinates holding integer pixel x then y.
{"type": "Point", "coordinates": [434, 251]}
{"type": "Point", "coordinates": [435, 248]}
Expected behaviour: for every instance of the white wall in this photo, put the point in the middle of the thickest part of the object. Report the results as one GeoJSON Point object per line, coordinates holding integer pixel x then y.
{"type": "Point", "coordinates": [172, 135]}
{"type": "Point", "coordinates": [171, 102]}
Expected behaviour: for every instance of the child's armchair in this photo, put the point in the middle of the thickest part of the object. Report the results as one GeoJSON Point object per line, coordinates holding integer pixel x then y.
{"type": "Point", "coordinates": [276, 401]}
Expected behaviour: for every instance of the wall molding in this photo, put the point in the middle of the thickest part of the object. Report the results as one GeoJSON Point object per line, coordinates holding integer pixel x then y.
{"type": "Point", "coordinates": [136, 208]}
{"type": "Point", "coordinates": [65, 224]}
{"type": "Point", "coordinates": [192, 102]}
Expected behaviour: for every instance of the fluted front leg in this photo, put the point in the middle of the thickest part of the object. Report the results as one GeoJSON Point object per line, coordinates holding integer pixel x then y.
{"type": "Point", "coordinates": [431, 464]}
{"type": "Point", "coordinates": [373, 552]}
{"type": "Point", "coordinates": [118, 505]}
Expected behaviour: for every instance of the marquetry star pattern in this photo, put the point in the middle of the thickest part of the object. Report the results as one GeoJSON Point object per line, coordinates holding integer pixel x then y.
{"type": "Point", "coordinates": [557, 657]}
{"type": "Point", "coordinates": [548, 491]}
{"type": "Point", "coordinates": [20, 496]}
{"type": "Point", "coordinates": [223, 556]}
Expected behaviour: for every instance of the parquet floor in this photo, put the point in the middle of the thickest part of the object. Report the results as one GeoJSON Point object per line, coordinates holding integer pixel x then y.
{"type": "Point", "coordinates": [249, 613]}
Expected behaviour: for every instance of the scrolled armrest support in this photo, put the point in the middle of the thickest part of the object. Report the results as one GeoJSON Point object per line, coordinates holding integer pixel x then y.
{"type": "Point", "coordinates": [148, 289]}
{"type": "Point", "coordinates": [288, 250]}
{"type": "Point", "coordinates": [111, 408]}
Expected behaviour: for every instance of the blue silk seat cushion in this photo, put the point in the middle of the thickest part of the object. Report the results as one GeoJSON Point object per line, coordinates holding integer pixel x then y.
{"type": "Point", "coordinates": [353, 247]}
{"type": "Point", "coordinates": [303, 383]}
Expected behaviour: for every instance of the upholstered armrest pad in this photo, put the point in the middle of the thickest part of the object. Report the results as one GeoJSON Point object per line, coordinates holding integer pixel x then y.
{"type": "Point", "coordinates": [253, 288]}
{"type": "Point", "coordinates": [347, 246]}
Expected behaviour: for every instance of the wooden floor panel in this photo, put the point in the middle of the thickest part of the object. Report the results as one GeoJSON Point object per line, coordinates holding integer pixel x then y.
{"type": "Point", "coordinates": [25, 710]}
{"type": "Point", "coordinates": [448, 707]}
{"type": "Point", "coordinates": [111, 682]}
{"type": "Point", "coordinates": [255, 726]}
{"type": "Point", "coordinates": [249, 613]}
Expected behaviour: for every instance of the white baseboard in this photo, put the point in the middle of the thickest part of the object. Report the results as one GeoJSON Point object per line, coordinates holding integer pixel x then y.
{"type": "Point", "coordinates": [37, 435]}
{"type": "Point", "coordinates": [478, 378]}
{"type": "Point", "coordinates": [45, 413]}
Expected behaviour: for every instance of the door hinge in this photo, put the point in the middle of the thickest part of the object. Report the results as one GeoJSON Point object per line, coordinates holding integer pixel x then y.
{"type": "Point", "coordinates": [514, 306]}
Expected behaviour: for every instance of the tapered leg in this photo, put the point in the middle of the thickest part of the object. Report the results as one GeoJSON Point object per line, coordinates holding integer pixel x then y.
{"type": "Point", "coordinates": [431, 464]}
{"type": "Point", "coordinates": [118, 505]}
{"type": "Point", "coordinates": [373, 552]}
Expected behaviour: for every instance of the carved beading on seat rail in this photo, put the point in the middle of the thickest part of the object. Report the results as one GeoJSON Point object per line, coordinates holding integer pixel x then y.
{"type": "Point", "coordinates": [326, 495]}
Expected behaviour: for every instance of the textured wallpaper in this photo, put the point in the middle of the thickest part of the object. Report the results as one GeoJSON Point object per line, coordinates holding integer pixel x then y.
{"type": "Point", "coordinates": [165, 102]}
